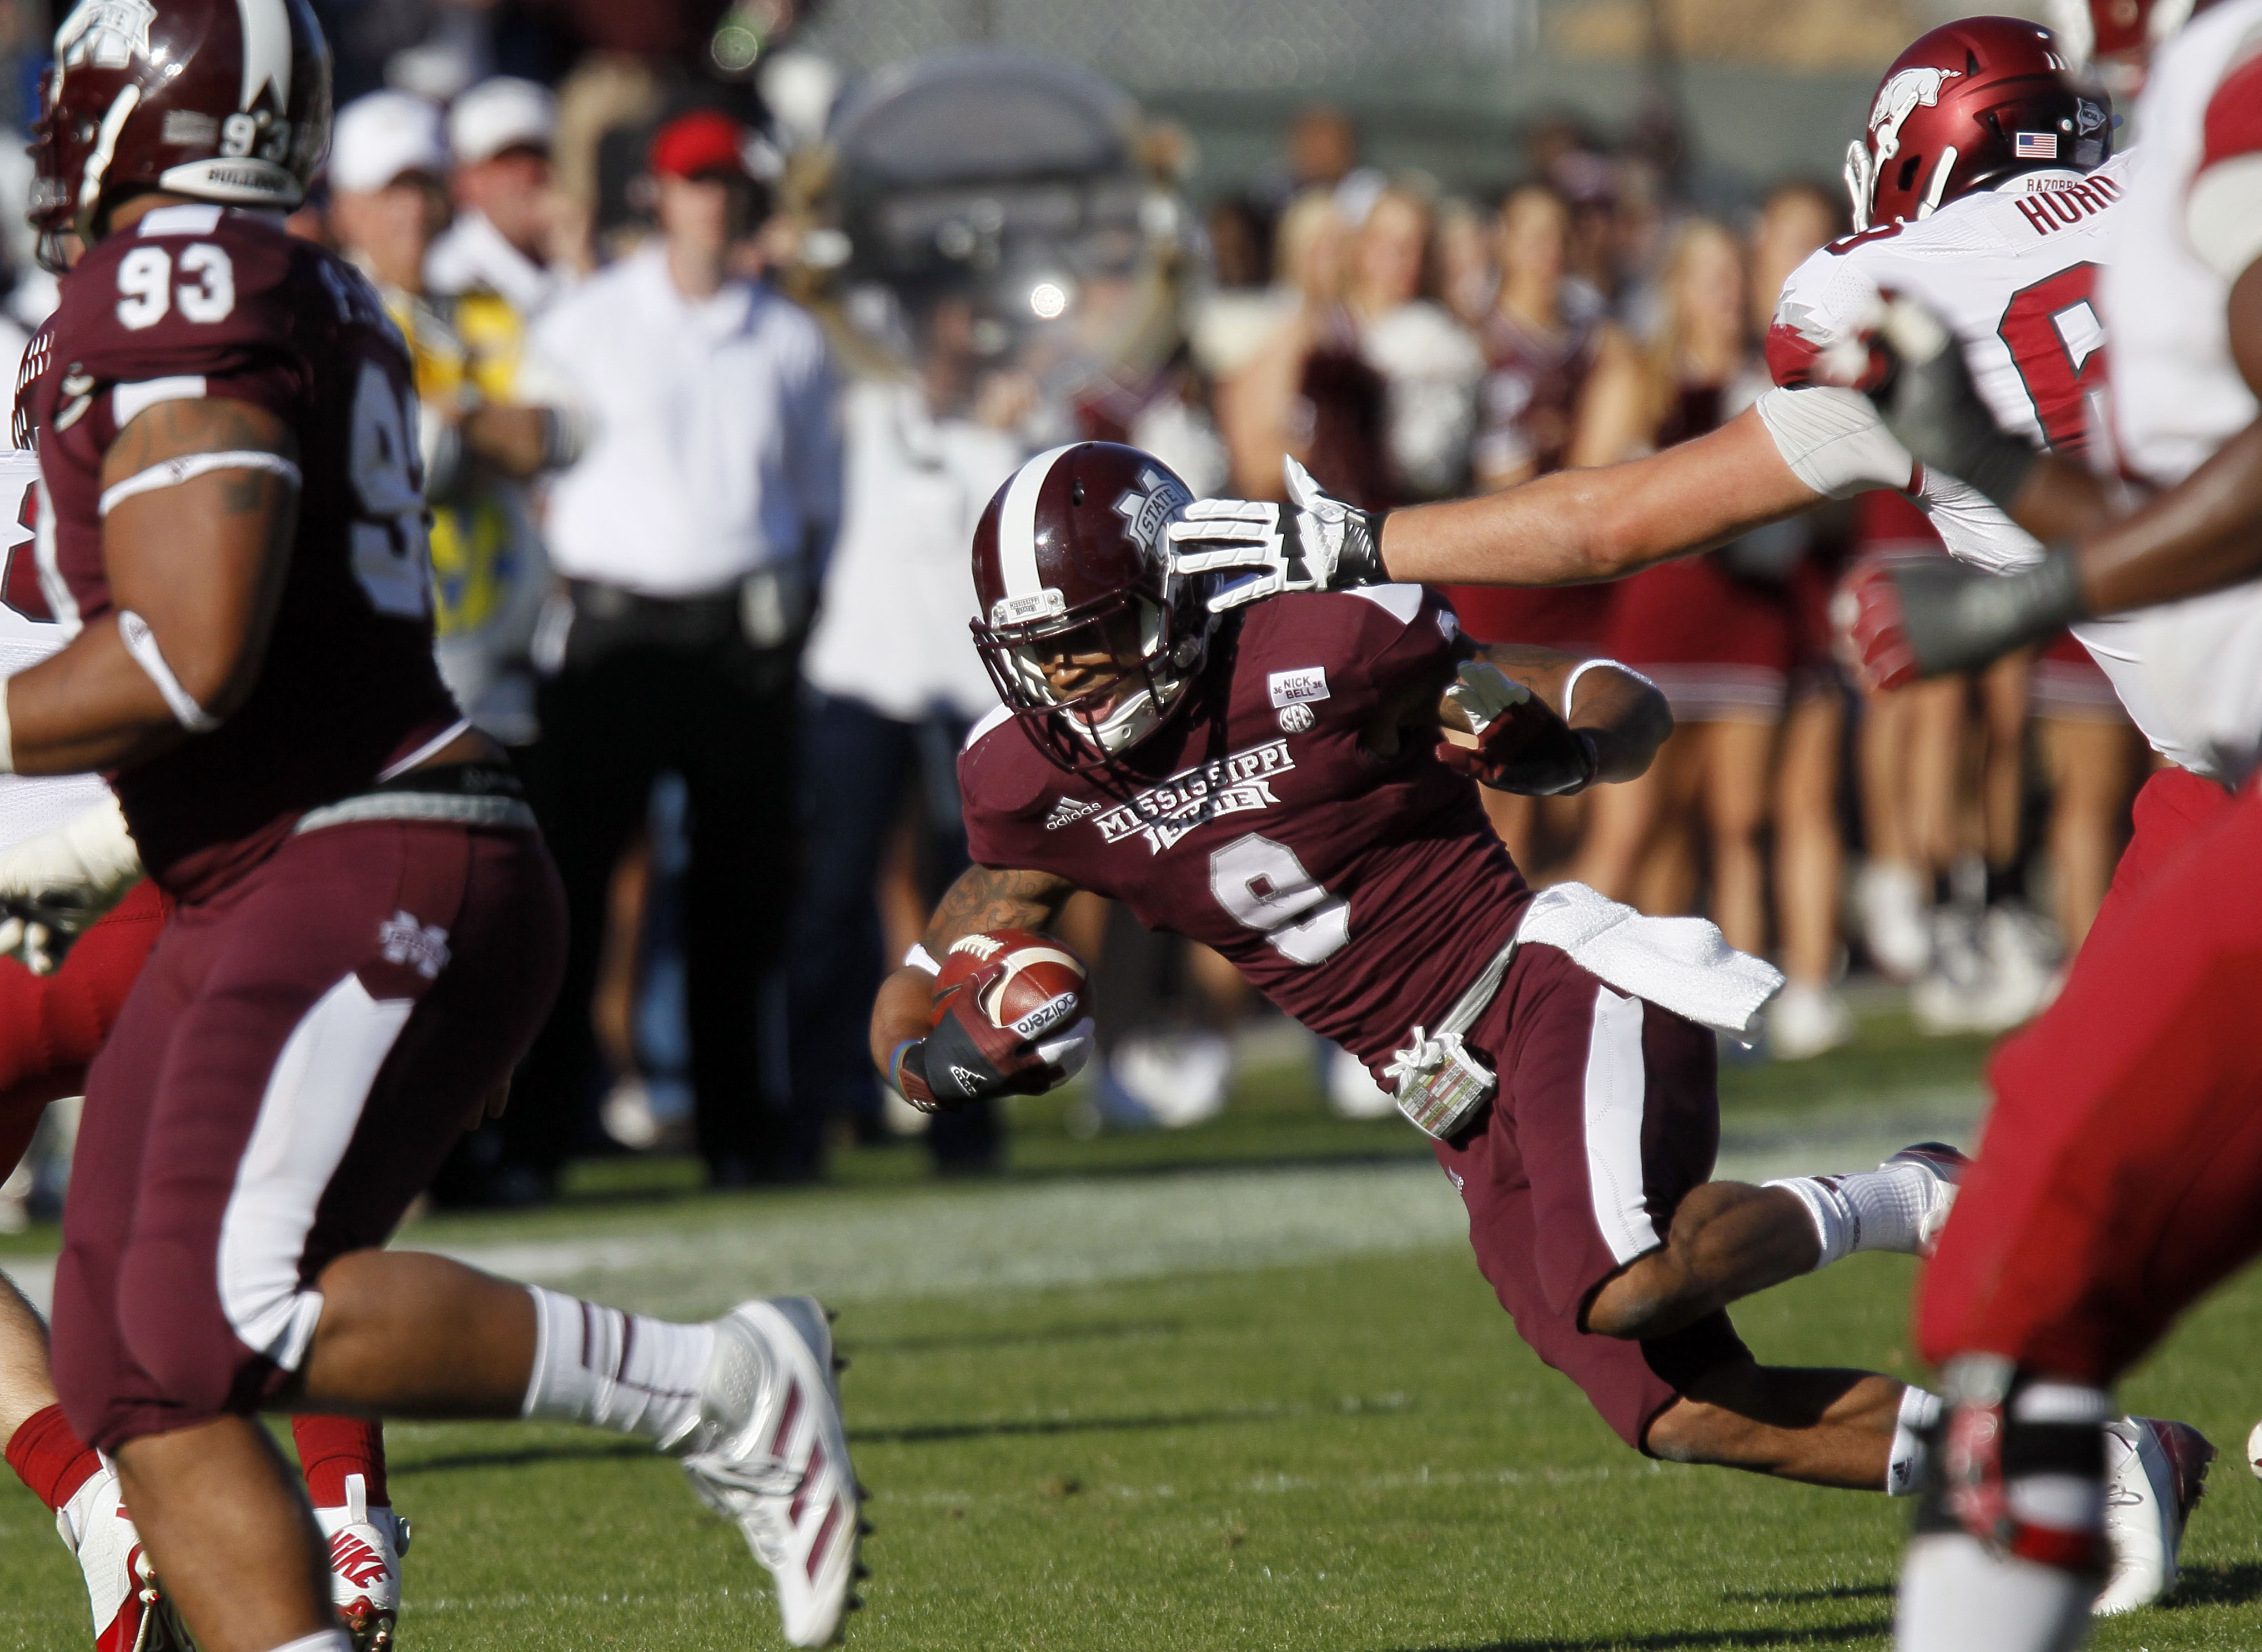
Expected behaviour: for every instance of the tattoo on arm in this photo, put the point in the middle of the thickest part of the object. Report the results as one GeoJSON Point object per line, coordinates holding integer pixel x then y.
{"type": "Point", "coordinates": [168, 429]}
{"type": "Point", "coordinates": [996, 898]}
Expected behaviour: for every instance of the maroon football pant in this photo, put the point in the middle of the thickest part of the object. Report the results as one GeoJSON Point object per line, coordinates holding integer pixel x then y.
{"type": "Point", "coordinates": [2119, 1175]}
{"type": "Point", "coordinates": [300, 1054]}
{"type": "Point", "coordinates": [1608, 1113]}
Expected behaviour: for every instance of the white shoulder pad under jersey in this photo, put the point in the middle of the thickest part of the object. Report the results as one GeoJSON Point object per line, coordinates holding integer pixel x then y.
{"type": "Point", "coordinates": [2194, 218]}
{"type": "Point", "coordinates": [28, 634]}
{"type": "Point", "coordinates": [2012, 271]}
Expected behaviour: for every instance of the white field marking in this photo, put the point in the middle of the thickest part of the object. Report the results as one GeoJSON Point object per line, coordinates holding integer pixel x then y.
{"type": "Point", "coordinates": [1030, 1236]}
{"type": "Point", "coordinates": [1282, 1484]}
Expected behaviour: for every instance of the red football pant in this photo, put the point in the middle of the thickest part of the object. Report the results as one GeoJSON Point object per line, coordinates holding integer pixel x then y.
{"type": "Point", "coordinates": [51, 1026]}
{"type": "Point", "coordinates": [2119, 1175]}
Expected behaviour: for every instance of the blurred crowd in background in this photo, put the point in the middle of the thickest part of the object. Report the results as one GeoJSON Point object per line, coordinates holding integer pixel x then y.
{"type": "Point", "coordinates": [722, 353]}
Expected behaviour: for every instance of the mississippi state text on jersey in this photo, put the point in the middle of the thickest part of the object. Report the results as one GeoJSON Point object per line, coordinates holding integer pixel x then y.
{"type": "Point", "coordinates": [201, 301]}
{"type": "Point", "coordinates": [1361, 893]}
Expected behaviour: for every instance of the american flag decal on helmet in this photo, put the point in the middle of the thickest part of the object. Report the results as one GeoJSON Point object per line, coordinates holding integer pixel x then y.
{"type": "Point", "coordinates": [2035, 146]}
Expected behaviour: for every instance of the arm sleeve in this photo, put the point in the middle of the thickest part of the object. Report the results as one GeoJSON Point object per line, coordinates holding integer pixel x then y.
{"type": "Point", "coordinates": [1833, 440]}
{"type": "Point", "coordinates": [2222, 213]}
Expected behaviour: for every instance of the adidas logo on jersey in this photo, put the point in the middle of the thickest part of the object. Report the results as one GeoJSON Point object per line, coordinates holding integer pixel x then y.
{"type": "Point", "coordinates": [1067, 812]}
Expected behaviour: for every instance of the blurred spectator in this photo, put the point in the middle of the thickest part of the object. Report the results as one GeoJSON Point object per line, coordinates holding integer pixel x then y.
{"type": "Point", "coordinates": [692, 535]}
{"type": "Point", "coordinates": [502, 244]}
{"type": "Point", "coordinates": [1468, 282]}
{"type": "Point", "coordinates": [1430, 363]}
{"type": "Point", "coordinates": [2094, 758]}
{"type": "Point", "coordinates": [893, 687]}
{"type": "Point", "coordinates": [1563, 386]}
{"type": "Point", "coordinates": [1716, 639]}
{"type": "Point", "coordinates": [1307, 389]}
{"type": "Point", "coordinates": [1808, 1016]}
{"type": "Point", "coordinates": [1322, 149]}
{"type": "Point", "coordinates": [481, 442]}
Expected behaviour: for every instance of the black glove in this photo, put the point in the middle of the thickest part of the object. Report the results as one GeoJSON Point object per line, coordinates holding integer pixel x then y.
{"type": "Point", "coordinates": [1523, 743]}
{"type": "Point", "coordinates": [1957, 619]}
{"type": "Point", "coordinates": [966, 1058]}
{"type": "Point", "coordinates": [1928, 401]}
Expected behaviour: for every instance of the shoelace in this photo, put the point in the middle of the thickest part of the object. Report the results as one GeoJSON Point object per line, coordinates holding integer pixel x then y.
{"type": "Point", "coordinates": [718, 1477]}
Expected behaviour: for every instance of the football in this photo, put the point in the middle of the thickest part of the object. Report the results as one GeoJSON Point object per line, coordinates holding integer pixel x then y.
{"type": "Point", "coordinates": [1040, 990]}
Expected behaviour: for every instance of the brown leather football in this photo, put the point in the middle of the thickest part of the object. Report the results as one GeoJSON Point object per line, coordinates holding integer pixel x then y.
{"type": "Point", "coordinates": [1030, 985]}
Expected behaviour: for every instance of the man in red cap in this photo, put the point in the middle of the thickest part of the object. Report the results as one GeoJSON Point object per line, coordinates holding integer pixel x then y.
{"type": "Point", "coordinates": [690, 535]}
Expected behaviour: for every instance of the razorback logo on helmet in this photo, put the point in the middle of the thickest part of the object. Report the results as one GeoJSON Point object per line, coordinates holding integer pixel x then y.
{"type": "Point", "coordinates": [1965, 106]}
{"type": "Point", "coordinates": [1900, 96]}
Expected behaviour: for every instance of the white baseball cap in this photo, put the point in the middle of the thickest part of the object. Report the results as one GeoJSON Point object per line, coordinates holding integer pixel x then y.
{"type": "Point", "coordinates": [498, 114]}
{"type": "Point", "coordinates": [383, 134]}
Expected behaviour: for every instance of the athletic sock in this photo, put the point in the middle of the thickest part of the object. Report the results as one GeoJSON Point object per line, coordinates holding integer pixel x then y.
{"type": "Point", "coordinates": [1958, 1597]}
{"type": "Point", "coordinates": [1905, 1471]}
{"type": "Point", "coordinates": [50, 1459]}
{"type": "Point", "coordinates": [1878, 1209]}
{"type": "Point", "coordinates": [320, 1641]}
{"type": "Point", "coordinates": [615, 1371]}
{"type": "Point", "coordinates": [330, 1449]}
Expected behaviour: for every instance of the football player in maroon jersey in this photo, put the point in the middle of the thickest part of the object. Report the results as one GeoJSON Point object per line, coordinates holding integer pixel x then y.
{"type": "Point", "coordinates": [368, 928]}
{"type": "Point", "coordinates": [1273, 784]}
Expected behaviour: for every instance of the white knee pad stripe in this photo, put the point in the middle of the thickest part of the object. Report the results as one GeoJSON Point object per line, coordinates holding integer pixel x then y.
{"type": "Point", "coordinates": [1617, 1083]}
{"type": "Point", "coordinates": [308, 1116]}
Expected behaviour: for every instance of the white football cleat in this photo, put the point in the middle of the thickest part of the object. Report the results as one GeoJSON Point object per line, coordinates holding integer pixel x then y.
{"type": "Point", "coordinates": [1941, 1168]}
{"type": "Point", "coordinates": [768, 1451]}
{"type": "Point", "coordinates": [365, 1545]}
{"type": "Point", "coordinates": [1893, 905]}
{"type": "Point", "coordinates": [130, 1613]}
{"type": "Point", "coordinates": [1804, 1020]}
{"type": "Point", "coordinates": [2155, 1473]}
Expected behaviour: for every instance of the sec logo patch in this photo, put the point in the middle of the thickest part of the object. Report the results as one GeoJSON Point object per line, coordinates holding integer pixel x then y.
{"type": "Point", "coordinates": [1296, 718]}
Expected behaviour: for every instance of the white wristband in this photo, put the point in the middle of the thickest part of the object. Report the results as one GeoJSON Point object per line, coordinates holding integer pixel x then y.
{"type": "Point", "coordinates": [173, 472]}
{"type": "Point", "coordinates": [141, 642]}
{"type": "Point", "coordinates": [7, 733]}
{"type": "Point", "coordinates": [920, 957]}
{"type": "Point", "coordinates": [1571, 683]}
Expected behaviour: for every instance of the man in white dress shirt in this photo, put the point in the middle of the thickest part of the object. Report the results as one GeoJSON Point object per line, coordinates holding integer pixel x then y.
{"type": "Point", "coordinates": [691, 536]}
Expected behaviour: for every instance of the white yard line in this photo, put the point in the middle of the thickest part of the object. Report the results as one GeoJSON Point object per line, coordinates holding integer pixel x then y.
{"type": "Point", "coordinates": [1032, 1235]}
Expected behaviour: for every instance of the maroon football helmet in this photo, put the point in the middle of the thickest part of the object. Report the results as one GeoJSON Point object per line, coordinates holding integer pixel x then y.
{"type": "Point", "coordinates": [224, 100]}
{"type": "Point", "coordinates": [1968, 106]}
{"type": "Point", "coordinates": [1073, 542]}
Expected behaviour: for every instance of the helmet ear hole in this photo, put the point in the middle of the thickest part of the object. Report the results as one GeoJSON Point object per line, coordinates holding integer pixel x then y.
{"type": "Point", "coordinates": [1907, 179]}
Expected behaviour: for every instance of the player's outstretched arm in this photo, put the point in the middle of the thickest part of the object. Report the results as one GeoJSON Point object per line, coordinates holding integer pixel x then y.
{"type": "Point", "coordinates": [200, 504]}
{"type": "Point", "coordinates": [1569, 528]}
{"type": "Point", "coordinates": [1547, 723]}
{"type": "Point", "coordinates": [983, 898]}
{"type": "Point", "coordinates": [1575, 527]}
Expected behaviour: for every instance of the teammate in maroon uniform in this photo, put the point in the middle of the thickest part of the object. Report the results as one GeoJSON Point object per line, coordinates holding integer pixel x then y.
{"type": "Point", "coordinates": [368, 929]}
{"type": "Point", "coordinates": [1272, 784]}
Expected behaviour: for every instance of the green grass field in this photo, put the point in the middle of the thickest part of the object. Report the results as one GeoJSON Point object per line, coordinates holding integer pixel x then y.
{"type": "Point", "coordinates": [1237, 1387]}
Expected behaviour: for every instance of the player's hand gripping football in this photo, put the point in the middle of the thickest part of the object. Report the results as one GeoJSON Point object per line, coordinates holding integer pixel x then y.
{"type": "Point", "coordinates": [1933, 617]}
{"type": "Point", "coordinates": [1923, 391]}
{"type": "Point", "coordinates": [1253, 548]}
{"type": "Point", "coordinates": [972, 1053]}
{"type": "Point", "coordinates": [54, 885]}
{"type": "Point", "coordinates": [1523, 743]}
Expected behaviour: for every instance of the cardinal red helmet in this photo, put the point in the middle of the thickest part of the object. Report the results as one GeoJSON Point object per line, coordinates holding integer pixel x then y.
{"type": "Point", "coordinates": [224, 100]}
{"type": "Point", "coordinates": [1073, 543]}
{"type": "Point", "coordinates": [1967, 105]}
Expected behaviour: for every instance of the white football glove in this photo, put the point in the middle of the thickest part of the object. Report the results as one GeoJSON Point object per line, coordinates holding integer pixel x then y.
{"type": "Point", "coordinates": [1258, 549]}
{"type": "Point", "coordinates": [54, 885]}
